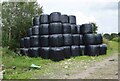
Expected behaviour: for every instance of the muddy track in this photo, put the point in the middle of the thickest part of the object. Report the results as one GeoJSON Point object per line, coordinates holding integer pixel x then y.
{"type": "Point", "coordinates": [105, 69]}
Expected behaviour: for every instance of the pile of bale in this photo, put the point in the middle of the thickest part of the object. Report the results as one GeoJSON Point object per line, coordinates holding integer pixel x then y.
{"type": "Point", "coordinates": [56, 37]}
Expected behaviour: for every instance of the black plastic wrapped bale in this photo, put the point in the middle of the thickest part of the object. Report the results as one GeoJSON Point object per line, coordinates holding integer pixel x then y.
{"type": "Point", "coordinates": [44, 29]}
{"type": "Point", "coordinates": [23, 51]}
{"type": "Point", "coordinates": [73, 29]}
{"type": "Point", "coordinates": [34, 52]}
{"type": "Point", "coordinates": [64, 19]}
{"type": "Point", "coordinates": [66, 28]}
{"type": "Point", "coordinates": [72, 19]}
{"type": "Point", "coordinates": [55, 28]}
{"type": "Point", "coordinates": [56, 40]}
{"type": "Point", "coordinates": [34, 41]}
{"type": "Point", "coordinates": [67, 51]}
{"type": "Point", "coordinates": [76, 39]}
{"type": "Point", "coordinates": [55, 17]}
{"type": "Point", "coordinates": [92, 50]}
{"type": "Point", "coordinates": [99, 39]}
{"type": "Point", "coordinates": [36, 20]}
{"type": "Point", "coordinates": [75, 50]}
{"type": "Point", "coordinates": [22, 43]}
{"type": "Point", "coordinates": [56, 53]}
{"type": "Point", "coordinates": [78, 29]}
{"type": "Point", "coordinates": [44, 51]}
{"type": "Point", "coordinates": [86, 29]}
{"type": "Point", "coordinates": [82, 49]}
{"type": "Point", "coordinates": [27, 42]}
{"type": "Point", "coordinates": [103, 49]}
{"type": "Point", "coordinates": [81, 39]}
{"type": "Point", "coordinates": [44, 19]}
{"type": "Point", "coordinates": [89, 39]}
{"type": "Point", "coordinates": [44, 40]}
{"type": "Point", "coordinates": [29, 32]}
{"type": "Point", "coordinates": [35, 30]}
{"type": "Point", "coordinates": [67, 39]}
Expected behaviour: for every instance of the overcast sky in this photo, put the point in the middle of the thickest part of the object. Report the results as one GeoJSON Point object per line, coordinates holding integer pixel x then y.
{"type": "Point", "coordinates": [103, 12]}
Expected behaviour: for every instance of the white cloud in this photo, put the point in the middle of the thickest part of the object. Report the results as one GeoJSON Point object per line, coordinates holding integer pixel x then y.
{"type": "Point", "coordinates": [82, 18]}
{"type": "Point", "coordinates": [103, 12]}
{"type": "Point", "coordinates": [76, 5]}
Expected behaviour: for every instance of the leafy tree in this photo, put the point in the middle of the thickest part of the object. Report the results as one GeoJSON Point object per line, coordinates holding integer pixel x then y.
{"type": "Point", "coordinates": [16, 19]}
{"type": "Point", "coordinates": [95, 27]}
{"type": "Point", "coordinates": [113, 35]}
{"type": "Point", "coordinates": [117, 39]}
{"type": "Point", "coordinates": [0, 25]}
{"type": "Point", "coordinates": [107, 36]}
{"type": "Point", "coordinates": [119, 34]}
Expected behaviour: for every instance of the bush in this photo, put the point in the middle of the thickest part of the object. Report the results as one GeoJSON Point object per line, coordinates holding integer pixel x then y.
{"type": "Point", "coordinates": [16, 19]}
{"type": "Point", "coordinates": [105, 41]}
{"type": "Point", "coordinates": [117, 39]}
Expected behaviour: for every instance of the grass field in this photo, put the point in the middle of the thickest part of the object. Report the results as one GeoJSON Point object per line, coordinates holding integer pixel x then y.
{"type": "Point", "coordinates": [23, 63]}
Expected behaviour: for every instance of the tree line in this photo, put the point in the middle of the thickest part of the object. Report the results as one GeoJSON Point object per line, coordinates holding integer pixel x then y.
{"type": "Point", "coordinates": [16, 19]}
{"type": "Point", "coordinates": [112, 36]}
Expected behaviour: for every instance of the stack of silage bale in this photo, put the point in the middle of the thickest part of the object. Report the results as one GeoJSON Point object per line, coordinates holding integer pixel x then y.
{"type": "Point", "coordinates": [57, 37]}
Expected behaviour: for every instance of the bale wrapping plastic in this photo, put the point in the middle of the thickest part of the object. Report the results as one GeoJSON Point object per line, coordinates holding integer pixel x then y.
{"type": "Point", "coordinates": [89, 39]}
{"type": "Point", "coordinates": [34, 41]}
{"type": "Point", "coordinates": [56, 40]}
{"type": "Point", "coordinates": [44, 40]}
{"type": "Point", "coordinates": [44, 29]}
{"type": "Point", "coordinates": [64, 19]}
{"type": "Point", "coordinates": [67, 39]}
{"type": "Point", "coordinates": [36, 20]}
{"type": "Point", "coordinates": [81, 39]}
{"type": "Point", "coordinates": [24, 51]}
{"type": "Point", "coordinates": [44, 19]}
{"type": "Point", "coordinates": [73, 29]}
{"type": "Point", "coordinates": [34, 52]}
{"type": "Point", "coordinates": [29, 32]}
{"type": "Point", "coordinates": [103, 49]}
{"type": "Point", "coordinates": [76, 39]}
{"type": "Point", "coordinates": [67, 51]}
{"type": "Point", "coordinates": [35, 30]}
{"type": "Point", "coordinates": [86, 29]}
{"type": "Point", "coordinates": [55, 17]}
{"type": "Point", "coordinates": [22, 43]}
{"type": "Point", "coordinates": [99, 39]}
{"type": "Point", "coordinates": [92, 50]}
{"type": "Point", "coordinates": [78, 29]}
{"type": "Point", "coordinates": [82, 49]}
{"type": "Point", "coordinates": [55, 28]}
{"type": "Point", "coordinates": [56, 53]}
{"type": "Point", "coordinates": [44, 51]}
{"type": "Point", "coordinates": [26, 42]}
{"type": "Point", "coordinates": [72, 19]}
{"type": "Point", "coordinates": [66, 28]}
{"type": "Point", "coordinates": [75, 50]}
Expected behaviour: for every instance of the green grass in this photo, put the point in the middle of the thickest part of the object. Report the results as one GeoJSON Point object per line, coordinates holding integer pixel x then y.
{"type": "Point", "coordinates": [22, 63]}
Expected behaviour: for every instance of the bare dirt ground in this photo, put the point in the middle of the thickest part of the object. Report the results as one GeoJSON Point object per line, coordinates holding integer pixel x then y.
{"type": "Point", "coordinates": [105, 69]}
